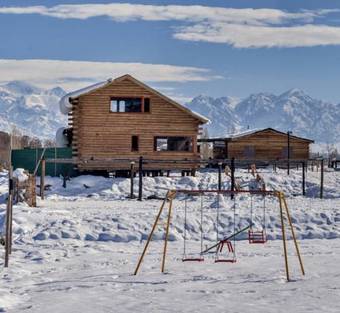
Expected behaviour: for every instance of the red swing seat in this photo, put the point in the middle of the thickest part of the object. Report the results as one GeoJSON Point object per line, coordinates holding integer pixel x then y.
{"type": "Point", "coordinates": [193, 260]}
{"type": "Point", "coordinates": [257, 236]}
{"type": "Point", "coordinates": [225, 261]}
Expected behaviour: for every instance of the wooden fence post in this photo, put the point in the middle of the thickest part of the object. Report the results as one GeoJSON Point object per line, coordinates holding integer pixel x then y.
{"type": "Point", "coordinates": [9, 216]}
{"type": "Point", "coordinates": [132, 173]}
{"type": "Point", "coordinates": [42, 178]}
{"type": "Point", "coordinates": [140, 174]}
{"type": "Point", "coordinates": [64, 181]}
{"type": "Point", "coordinates": [11, 193]}
{"type": "Point", "coordinates": [30, 192]}
{"type": "Point", "coordinates": [219, 175]}
{"type": "Point", "coordinates": [321, 179]}
{"type": "Point", "coordinates": [303, 178]}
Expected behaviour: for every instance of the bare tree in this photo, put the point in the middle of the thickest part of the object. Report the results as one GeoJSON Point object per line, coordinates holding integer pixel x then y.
{"type": "Point", "coordinates": [49, 143]}
{"type": "Point", "coordinates": [35, 142]}
{"type": "Point", "coordinates": [25, 141]}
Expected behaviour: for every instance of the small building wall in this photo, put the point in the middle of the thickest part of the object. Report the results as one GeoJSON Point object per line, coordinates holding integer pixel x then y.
{"type": "Point", "coordinates": [268, 145]}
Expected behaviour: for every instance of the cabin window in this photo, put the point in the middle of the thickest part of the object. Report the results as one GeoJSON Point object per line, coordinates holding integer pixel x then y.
{"type": "Point", "coordinates": [249, 152]}
{"type": "Point", "coordinates": [129, 104]}
{"type": "Point", "coordinates": [134, 143]}
{"type": "Point", "coordinates": [173, 144]}
{"type": "Point", "coordinates": [126, 105]}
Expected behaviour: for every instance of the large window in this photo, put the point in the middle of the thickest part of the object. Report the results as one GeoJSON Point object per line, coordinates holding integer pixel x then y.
{"type": "Point", "coordinates": [173, 144]}
{"type": "Point", "coordinates": [129, 104]}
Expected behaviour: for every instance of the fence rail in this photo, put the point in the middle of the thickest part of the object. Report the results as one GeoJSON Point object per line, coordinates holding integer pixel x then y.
{"type": "Point", "coordinates": [59, 161]}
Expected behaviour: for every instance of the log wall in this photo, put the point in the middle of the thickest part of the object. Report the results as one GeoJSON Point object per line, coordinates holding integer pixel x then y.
{"type": "Point", "coordinates": [267, 145]}
{"type": "Point", "coordinates": [101, 134]}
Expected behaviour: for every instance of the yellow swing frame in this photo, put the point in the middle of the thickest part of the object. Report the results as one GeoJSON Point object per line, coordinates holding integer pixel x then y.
{"type": "Point", "coordinates": [284, 216]}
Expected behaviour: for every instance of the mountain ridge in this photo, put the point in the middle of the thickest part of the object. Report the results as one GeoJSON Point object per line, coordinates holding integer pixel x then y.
{"type": "Point", "coordinates": [293, 110]}
{"type": "Point", "coordinates": [35, 112]}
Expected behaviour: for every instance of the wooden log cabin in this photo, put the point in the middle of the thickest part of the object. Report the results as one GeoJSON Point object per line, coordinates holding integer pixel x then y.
{"type": "Point", "coordinates": [263, 145]}
{"type": "Point", "coordinates": [122, 119]}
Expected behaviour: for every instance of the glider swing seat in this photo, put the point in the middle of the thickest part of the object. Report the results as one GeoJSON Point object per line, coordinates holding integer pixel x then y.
{"type": "Point", "coordinates": [221, 242]}
{"type": "Point", "coordinates": [230, 250]}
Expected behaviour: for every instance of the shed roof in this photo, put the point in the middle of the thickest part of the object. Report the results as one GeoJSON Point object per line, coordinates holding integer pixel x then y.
{"type": "Point", "coordinates": [235, 136]}
{"type": "Point", "coordinates": [65, 106]}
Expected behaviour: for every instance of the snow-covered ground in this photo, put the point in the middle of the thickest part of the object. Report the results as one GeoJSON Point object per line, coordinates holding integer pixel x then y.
{"type": "Point", "coordinates": [77, 250]}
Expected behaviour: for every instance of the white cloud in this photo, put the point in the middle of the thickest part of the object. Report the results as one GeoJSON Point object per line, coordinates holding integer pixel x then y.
{"type": "Point", "coordinates": [238, 27]}
{"type": "Point", "coordinates": [193, 13]}
{"type": "Point", "coordinates": [77, 74]}
{"type": "Point", "coordinates": [245, 36]}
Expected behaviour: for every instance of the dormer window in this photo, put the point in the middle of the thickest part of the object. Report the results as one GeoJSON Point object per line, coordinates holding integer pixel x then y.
{"type": "Point", "coordinates": [129, 104]}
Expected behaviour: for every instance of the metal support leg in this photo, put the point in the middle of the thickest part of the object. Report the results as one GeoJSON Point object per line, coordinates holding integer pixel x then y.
{"type": "Point", "coordinates": [294, 237]}
{"type": "Point", "coordinates": [283, 237]}
{"type": "Point", "coordinates": [166, 235]}
{"type": "Point", "coordinates": [150, 235]}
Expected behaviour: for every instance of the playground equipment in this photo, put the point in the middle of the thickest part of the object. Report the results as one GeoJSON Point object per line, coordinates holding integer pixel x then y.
{"type": "Point", "coordinates": [255, 236]}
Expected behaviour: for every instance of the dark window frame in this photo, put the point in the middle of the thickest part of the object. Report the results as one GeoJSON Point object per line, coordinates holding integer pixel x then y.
{"type": "Point", "coordinates": [146, 104]}
{"type": "Point", "coordinates": [191, 144]}
{"type": "Point", "coordinates": [133, 147]}
{"type": "Point", "coordinates": [142, 98]}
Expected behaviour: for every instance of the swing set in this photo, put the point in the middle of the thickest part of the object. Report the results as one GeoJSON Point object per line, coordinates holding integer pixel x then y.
{"type": "Point", "coordinates": [225, 247]}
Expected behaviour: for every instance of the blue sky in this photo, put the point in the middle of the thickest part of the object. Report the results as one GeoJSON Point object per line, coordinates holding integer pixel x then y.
{"type": "Point", "coordinates": [184, 48]}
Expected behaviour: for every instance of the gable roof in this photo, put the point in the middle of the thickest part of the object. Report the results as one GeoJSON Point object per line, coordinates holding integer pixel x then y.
{"type": "Point", "coordinates": [278, 132]}
{"type": "Point", "coordinates": [65, 105]}
{"type": "Point", "coordinates": [235, 136]}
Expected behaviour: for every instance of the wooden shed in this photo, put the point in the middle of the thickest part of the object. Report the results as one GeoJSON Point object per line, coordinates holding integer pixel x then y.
{"type": "Point", "coordinates": [263, 144]}
{"type": "Point", "coordinates": [123, 119]}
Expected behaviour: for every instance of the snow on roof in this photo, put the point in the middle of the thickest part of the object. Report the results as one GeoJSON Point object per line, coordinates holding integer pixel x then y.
{"type": "Point", "coordinates": [200, 116]}
{"type": "Point", "coordinates": [238, 134]}
{"type": "Point", "coordinates": [243, 133]}
{"type": "Point", "coordinates": [255, 130]}
{"type": "Point", "coordinates": [64, 103]}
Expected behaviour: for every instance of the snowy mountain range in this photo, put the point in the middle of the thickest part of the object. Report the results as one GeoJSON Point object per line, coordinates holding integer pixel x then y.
{"type": "Point", "coordinates": [293, 110]}
{"type": "Point", "coordinates": [35, 112]}
{"type": "Point", "coordinates": [32, 110]}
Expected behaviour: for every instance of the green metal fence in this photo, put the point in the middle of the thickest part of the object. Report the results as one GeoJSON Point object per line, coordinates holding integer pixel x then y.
{"type": "Point", "coordinates": [28, 159]}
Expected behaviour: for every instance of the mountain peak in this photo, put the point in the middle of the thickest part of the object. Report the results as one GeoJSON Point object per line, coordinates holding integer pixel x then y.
{"type": "Point", "coordinates": [57, 91]}
{"type": "Point", "coordinates": [21, 87]}
{"type": "Point", "coordinates": [294, 92]}
{"type": "Point", "coordinates": [202, 98]}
